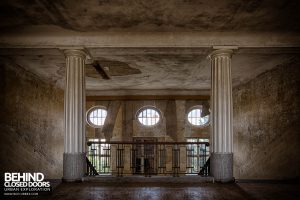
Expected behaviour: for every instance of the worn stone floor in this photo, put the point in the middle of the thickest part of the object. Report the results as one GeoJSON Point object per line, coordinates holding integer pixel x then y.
{"type": "Point", "coordinates": [201, 191]}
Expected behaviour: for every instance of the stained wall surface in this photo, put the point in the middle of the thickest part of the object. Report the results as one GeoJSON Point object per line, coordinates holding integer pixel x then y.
{"type": "Point", "coordinates": [31, 124]}
{"type": "Point", "coordinates": [266, 124]}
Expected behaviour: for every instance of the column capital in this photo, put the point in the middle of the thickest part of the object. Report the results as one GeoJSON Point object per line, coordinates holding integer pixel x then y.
{"type": "Point", "coordinates": [75, 52]}
{"type": "Point", "coordinates": [221, 52]}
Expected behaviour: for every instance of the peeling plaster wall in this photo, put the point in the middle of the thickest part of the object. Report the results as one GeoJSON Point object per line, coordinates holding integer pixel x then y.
{"type": "Point", "coordinates": [154, 15]}
{"type": "Point", "coordinates": [31, 124]}
{"type": "Point", "coordinates": [173, 125]}
{"type": "Point", "coordinates": [267, 125]}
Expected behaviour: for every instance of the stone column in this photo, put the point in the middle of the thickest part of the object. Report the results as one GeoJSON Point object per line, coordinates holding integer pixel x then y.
{"type": "Point", "coordinates": [221, 116]}
{"type": "Point", "coordinates": [74, 163]}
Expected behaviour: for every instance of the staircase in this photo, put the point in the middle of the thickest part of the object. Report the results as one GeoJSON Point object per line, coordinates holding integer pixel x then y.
{"type": "Point", "coordinates": [205, 170]}
{"type": "Point", "coordinates": [91, 170]}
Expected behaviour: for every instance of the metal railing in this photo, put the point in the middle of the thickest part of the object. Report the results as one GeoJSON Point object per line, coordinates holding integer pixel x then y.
{"type": "Point", "coordinates": [148, 158]}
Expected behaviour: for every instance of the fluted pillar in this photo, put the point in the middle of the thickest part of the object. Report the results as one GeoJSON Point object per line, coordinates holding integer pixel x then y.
{"type": "Point", "coordinates": [221, 119]}
{"type": "Point", "coordinates": [74, 149]}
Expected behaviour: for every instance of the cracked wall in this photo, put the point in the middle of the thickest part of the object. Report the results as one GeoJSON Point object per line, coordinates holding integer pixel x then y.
{"type": "Point", "coordinates": [266, 124]}
{"type": "Point", "coordinates": [31, 124]}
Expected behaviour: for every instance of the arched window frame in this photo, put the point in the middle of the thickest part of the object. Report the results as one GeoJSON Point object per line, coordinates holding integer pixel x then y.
{"type": "Point", "coordinates": [194, 125]}
{"type": "Point", "coordinates": [145, 108]}
{"type": "Point", "coordinates": [88, 118]}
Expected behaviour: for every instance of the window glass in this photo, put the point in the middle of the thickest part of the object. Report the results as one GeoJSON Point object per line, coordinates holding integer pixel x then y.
{"type": "Point", "coordinates": [148, 117]}
{"type": "Point", "coordinates": [194, 117]}
{"type": "Point", "coordinates": [99, 155]}
{"type": "Point", "coordinates": [197, 155]}
{"type": "Point", "coordinates": [97, 116]}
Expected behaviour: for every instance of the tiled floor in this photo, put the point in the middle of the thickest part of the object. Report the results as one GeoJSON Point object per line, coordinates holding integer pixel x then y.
{"type": "Point", "coordinates": [144, 191]}
{"type": "Point", "coordinates": [272, 191]}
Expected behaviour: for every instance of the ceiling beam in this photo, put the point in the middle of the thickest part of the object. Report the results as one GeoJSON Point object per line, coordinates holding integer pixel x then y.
{"type": "Point", "coordinates": [37, 38]}
{"type": "Point", "coordinates": [101, 70]}
{"type": "Point", "coordinates": [165, 92]}
{"type": "Point", "coordinates": [147, 97]}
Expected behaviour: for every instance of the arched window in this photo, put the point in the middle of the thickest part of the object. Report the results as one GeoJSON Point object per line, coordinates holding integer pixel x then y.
{"type": "Point", "coordinates": [96, 116]}
{"type": "Point", "coordinates": [148, 116]}
{"type": "Point", "coordinates": [194, 117]}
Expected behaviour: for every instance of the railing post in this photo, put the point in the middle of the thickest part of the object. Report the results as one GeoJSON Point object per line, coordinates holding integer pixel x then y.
{"type": "Point", "coordinates": [120, 159]}
{"type": "Point", "coordinates": [175, 160]}
{"type": "Point", "coordinates": [182, 159]}
{"type": "Point", "coordinates": [126, 159]}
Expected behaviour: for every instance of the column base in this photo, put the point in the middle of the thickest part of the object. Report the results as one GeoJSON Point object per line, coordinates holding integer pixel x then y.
{"type": "Point", "coordinates": [74, 167]}
{"type": "Point", "coordinates": [221, 166]}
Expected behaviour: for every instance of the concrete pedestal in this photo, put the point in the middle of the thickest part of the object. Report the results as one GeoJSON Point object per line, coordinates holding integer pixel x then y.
{"type": "Point", "coordinates": [221, 167]}
{"type": "Point", "coordinates": [74, 167]}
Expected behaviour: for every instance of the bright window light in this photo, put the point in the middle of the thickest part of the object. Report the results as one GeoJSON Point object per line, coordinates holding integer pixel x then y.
{"type": "Point", "coordinates": [97, 116]}
{"type": "Point", "coordinates": [194, 117]}
{"type": "Point", "coordinates": [148, 117]}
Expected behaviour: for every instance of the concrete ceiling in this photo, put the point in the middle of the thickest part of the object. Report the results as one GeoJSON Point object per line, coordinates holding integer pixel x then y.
{"type": "Point", "coordinates": [159, 45]}
{"type": "Point", "coordinates": [152, 69]}
{"type": "Point", "coordinates": [153, 15]}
